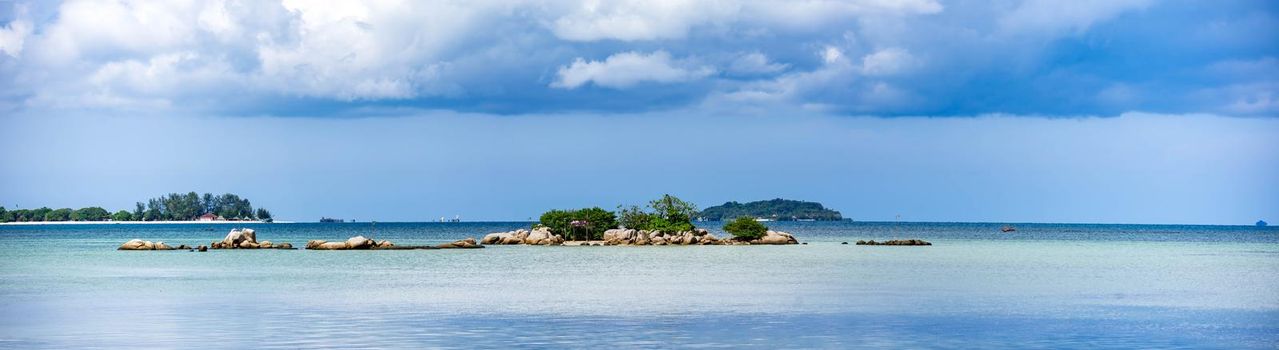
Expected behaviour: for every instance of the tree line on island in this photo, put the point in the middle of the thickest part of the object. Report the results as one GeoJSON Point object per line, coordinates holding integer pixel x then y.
{"type": "Point", "coordinates": [667, 214]}
{"type": "Point", "coordinates": [172, 207]}
{"type": "Point", "coordinates": [774, 209]}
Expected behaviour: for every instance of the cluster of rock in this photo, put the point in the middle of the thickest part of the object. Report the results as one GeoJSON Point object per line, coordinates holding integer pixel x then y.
{"type": "Point", "coordinates": [895, 242]}
{"type": "Point", "coordinates": [137, 244]}
{"type": "Point", "coordinates": [362, 243]}
{"type": "Point", "coordinates": [620, 236]}
{"type": "Point", "coordinates": [543, 236]}
{"type": "Point", "coordinates": [538, 236]}
{"type": "Point", "coordinates": [357, 242]}
{"type": "Point", "coordinates": [246, 239]}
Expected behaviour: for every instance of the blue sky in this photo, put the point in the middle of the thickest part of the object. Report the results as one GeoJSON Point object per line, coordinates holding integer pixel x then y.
{"type": "Point", "coordinates": [1085, 111]}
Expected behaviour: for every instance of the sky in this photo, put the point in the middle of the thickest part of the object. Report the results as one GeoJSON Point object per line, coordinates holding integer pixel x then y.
{"type": "Point", "coordinates": [1117, 111]}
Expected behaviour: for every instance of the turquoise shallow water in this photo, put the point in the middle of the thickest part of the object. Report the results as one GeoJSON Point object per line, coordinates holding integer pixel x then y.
{"type": "Point", "coordinates": [1045, 286]}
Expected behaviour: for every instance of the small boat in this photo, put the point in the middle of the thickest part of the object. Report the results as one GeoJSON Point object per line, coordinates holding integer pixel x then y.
{"type": "Point", "coordinates": [1007, 228]}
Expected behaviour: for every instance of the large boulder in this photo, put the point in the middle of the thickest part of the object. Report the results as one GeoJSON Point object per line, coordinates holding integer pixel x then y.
{"type": "Point", "coordinates": [359, 242]}
{"type": "Point", "coordinates": [657, 239]}
{"type": "Point", "coordinates": [619, 236]}
{"type": "Point", "coordinates": [686, 238]}
{"type": "Point", "coordinates": [492, 238]}
{"type": "Point", "coordinates": [538, 235]}
{"type": "Point", "coordinates": [325, 245]}
{"type": "Point", "coordinates": [776, 237]}
{"type": "Point", "coordinates": [708, 239]}
{"type": "Point", "coordinates": [236, 236]}
{"type": "Point", "coordinates": [642, 237]}
{"type": "Point", "coordinates": [137, 244]}
{"type": "Point", "coordinates": [543, 236]}
{"type": "Point", "coordinates": [332, 246]}
{"type": "Point", "coordinates": [509, 237]}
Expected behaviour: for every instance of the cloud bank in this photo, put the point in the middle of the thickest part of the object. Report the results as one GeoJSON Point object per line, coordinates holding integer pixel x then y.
{"type": "Point", "coordinates": [874, 57]}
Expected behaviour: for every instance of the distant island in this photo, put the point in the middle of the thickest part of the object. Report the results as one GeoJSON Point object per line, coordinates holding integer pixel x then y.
{"type": "Point", "coordinates": [774, 209]}
{"type": "Point", "coordinates": [171, 207]}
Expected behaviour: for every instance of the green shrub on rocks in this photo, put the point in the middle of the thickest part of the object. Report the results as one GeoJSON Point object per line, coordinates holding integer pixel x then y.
{"type": "Point", "coordinates": [746, 228]}
{"type": "Point", "coordinates": [669, 214]}
{"type": "Point", "coordinates": [593, 222]}
{"type": "Point", "coordinates": [633, 217]}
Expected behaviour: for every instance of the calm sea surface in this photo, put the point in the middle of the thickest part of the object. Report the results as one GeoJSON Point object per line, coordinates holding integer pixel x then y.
{"type": "Point", "coordinates": [1044, 286]}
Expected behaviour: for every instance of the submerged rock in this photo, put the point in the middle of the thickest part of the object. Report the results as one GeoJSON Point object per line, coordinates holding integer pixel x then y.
{"type": "Point", "coordinates": [467, 243]}
{"type": "Point", "coordinates": [910, 242]}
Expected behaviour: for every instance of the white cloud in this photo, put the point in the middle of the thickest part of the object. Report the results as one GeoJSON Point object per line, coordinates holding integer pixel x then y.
{"type": "Point", "coordinates": [837, 86]}
{"type": "Point", "coordinates": [888, 61]}
{"type": "Point", "coordinates": [626, 69]}
{"type": "Point", "coordinates": [347, 51]}
{"type": "Point", "coordinates": [371, 50]}
{"type": "Point", "coordinates": [632, 20]}
{"type": "Point", "coordinates": [816, 14]}
{"type": "Point", "coordinates": [754, 63]}
{"type": "Point", "coordinates": [1053, 16]}
{"type": "Point", "coordinates": [832, 55]}
{"type": "Point", "coordinates": [636, 19]}
{"type": "Point", "coordinates": [13, 36]}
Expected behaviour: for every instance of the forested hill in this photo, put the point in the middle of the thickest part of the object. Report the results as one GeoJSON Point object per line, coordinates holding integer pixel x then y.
{"type": "Point", "coordinates": [776, 209]}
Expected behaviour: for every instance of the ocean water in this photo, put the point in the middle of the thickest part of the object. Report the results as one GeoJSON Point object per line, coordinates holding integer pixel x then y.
{"type": "Point", "coordinates": [1044, 286]}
